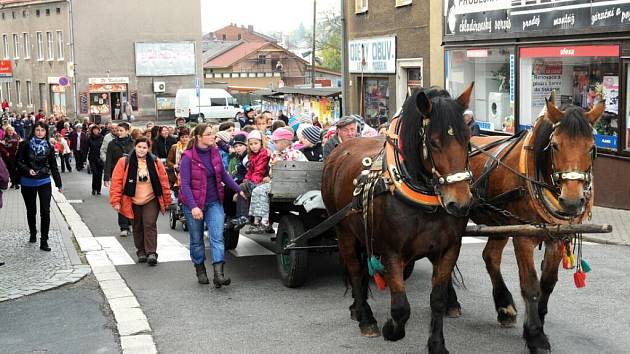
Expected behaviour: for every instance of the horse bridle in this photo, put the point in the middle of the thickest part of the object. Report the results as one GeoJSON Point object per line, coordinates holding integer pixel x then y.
{"type": "Point", "coordinates": [437, 179]}
{"type": "Point", "coordinates": [557, 177]}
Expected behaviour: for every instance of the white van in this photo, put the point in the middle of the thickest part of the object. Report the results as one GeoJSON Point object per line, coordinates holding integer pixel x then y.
{"type": "Point", "coordinates": [213, 104]}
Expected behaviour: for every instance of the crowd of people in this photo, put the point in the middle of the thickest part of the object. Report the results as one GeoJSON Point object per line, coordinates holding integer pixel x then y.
{"type": "Point", "coordinates": [150, 169]}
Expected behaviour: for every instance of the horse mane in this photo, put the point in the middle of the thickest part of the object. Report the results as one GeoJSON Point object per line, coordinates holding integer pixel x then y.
{"type": "Point", "coordinates": [574, 124]}
{"type": "Point", "coordinates": [446, 113]}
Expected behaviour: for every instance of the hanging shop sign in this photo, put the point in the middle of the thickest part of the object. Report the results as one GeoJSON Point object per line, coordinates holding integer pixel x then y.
{"type": "Point", "coordinates": [6, 68]}
{"type": "Point", "coordinates": [487, 17]}
{"type": "Point", "coordinates": [372, 55]}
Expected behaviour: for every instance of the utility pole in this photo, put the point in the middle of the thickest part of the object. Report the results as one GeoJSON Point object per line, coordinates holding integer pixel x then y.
{"type": "Point", "coordinates": [344, 71]}
{"type": "Point", "coordinates": [313, 49]}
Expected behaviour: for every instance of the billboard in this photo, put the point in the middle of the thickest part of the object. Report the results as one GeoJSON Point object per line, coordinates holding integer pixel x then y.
{"type": "Point", "coordinates": [165, 58]}
{"type": "Point", "coordinates": [372, 55]}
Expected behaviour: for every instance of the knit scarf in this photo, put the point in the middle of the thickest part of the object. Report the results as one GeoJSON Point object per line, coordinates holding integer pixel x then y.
{"type": "Point", "coordinates": [39, 146]}
{"type": "Point", "coordinates": [132, 175]}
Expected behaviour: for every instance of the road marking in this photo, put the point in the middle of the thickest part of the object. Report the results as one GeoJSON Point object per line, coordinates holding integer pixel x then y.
{"type": "Point", "coordinates": [248, 248]}
{"type": "Point", "coordinates": [468, 240]}
{"type": "Point", "coordinates": [74, 201]}
{"type": "Point", "coordinates": [171, 250]}
{"type": "Point", "coordinates": [115, 251]}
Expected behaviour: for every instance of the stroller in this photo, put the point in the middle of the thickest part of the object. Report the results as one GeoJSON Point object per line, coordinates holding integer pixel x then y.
{"type": "Point", "coordinates": [176, 212]}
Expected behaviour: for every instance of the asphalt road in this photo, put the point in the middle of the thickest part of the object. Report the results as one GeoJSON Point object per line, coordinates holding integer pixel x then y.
{"type": "Point", "coordinates": [258, 314]}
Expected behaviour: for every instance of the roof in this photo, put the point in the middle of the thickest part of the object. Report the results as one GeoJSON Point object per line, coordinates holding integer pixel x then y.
{"type": "Point", "coordinates": [318, 91]}
{"type": "Point", "coordinates": [231, 56]}
{"type": "Point", "coordinates": [264, 37]}
{"type": "Point", "coordinates": [212, 49]}
{"type": "Point", "coordinates": [17, 2]}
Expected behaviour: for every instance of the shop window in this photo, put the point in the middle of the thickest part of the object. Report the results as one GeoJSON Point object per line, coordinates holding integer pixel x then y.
{"type": "Point", "coordinates": [580, 75]}
{"type": "Point", "coordinates": [376, 101]}
{"type": "Point", "coordinates": [492, 70]}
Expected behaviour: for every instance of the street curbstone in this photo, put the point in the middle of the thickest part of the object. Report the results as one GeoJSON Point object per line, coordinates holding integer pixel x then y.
{"type": "Point", "coordinates": [138, 344]}
{"type": "Point", "coordinates": [132, 327]}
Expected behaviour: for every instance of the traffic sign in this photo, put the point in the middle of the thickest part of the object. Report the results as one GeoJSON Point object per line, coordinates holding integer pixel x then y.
{"type": "Point", "coordinates": [63, 81]}
{"type": "Point", "coordinates": [198, 87]}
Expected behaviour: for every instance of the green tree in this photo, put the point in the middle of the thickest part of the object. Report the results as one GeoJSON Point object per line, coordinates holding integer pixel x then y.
{"type": "Point", "coordinates": [328, 42]}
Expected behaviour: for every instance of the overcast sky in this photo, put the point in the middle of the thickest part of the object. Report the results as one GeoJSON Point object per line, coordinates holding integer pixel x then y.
{"type": "Point", "coordinates": [264, 15]}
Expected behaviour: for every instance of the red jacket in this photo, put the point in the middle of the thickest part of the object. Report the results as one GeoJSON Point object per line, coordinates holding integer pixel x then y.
{"type": "Point", "coordinates": [258, 166]}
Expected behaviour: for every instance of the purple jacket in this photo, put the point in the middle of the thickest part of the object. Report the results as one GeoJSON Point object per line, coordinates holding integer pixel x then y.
{"type": "Point", "coordinates": [199, 177]}
{"type": "Point", "coordinates": [4, 179]}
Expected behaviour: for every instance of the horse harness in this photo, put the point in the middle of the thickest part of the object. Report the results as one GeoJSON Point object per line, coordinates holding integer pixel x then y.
{"type": "Point", "coordinates": [386, 172]}
{"type": "Point", "coordinates": [543, 196]}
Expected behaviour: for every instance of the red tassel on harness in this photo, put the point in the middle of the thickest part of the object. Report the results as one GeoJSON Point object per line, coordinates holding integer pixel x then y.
{"type": "Point", "coordinates": [380, 281]}
{"type": "Point", "coordinates": [579, 278]}
{"type": "Point", "coordinates": [566, 262]}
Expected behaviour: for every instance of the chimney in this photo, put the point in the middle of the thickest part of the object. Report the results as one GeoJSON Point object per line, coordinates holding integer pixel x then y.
{"type": "Point", "coordinates": [250, 28]}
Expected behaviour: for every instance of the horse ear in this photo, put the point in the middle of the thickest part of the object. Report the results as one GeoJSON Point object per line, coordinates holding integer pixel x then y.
{"type": "Point", "coordinates": [596, 112]}
{"type": "Point", "coordinates": [423, 103]}
{"type": "Point", "coordinates": [464, 98]}
{"type": "Point", "coordinates": [552, 97]}
{"type": "Point", "coordinates": [553, 113]}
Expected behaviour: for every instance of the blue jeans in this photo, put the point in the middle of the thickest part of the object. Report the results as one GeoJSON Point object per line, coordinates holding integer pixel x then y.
{"type": "Point", "coordinates": [214, 218]}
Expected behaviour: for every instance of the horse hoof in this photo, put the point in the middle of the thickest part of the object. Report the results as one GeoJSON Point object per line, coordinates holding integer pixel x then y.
{"type": "Point", "coordinates": [454, 312]}
{"type": "Point", "coordinates": [537, 341]}
{"type": "Point", "coordinates": [437, 348]}
{"type": "Point", "coordinates": [391, 332]}
{"type": "Point", "coordinates": [370, 331]}
{"type": "Point", "coordinates": [354, 314]}
{"type": "Point", "coordinates": [507, 316]}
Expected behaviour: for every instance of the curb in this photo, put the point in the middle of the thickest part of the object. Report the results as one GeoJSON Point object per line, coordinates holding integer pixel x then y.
{"type": "Point", "coordinates": [132, 324]}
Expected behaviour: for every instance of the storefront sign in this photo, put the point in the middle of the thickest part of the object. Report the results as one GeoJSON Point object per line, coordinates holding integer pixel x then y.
{"type": "Point", "coordinates": [6, 68]}
{"type": "Point", "coordinates": [84, 101]}
{"type": "Point", "coordinates": [571, 51]}
{"type": "Point", "coordinates": [466, 17]}
{"type": "Point", "coordinates": [165, 103]}
{"type": "Point", "coordinates": [606, 141]}
{"type": "Point", "coordinates": [372, 55]}
{"type": "Point", "coordinates": [108, 87]}
{"type": "Point", "coordinates": [108, 80]}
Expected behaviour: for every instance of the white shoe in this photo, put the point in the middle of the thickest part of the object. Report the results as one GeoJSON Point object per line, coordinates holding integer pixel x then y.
{"type": "Point", "coordinates": [124, 233]}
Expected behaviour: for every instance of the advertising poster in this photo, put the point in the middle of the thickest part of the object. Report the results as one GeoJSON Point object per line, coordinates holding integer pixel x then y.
{"type": "Point", "coordinates": [546, 77]}
{"type": "Point", "coordinates": [611, 93]}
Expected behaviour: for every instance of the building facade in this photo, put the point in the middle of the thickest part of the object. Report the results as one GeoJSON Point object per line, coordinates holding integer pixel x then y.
{"type": "Point", "coordinates": [248, 66]}
{"type": "Point", "coordinates": [392, 46]}
{"type": "Point", "coordinates": [86, 59]}
{"type": "Point", "coordinates": [518, 52]}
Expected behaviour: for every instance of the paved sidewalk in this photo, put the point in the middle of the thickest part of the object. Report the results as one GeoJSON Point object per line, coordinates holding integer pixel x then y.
{"type": "Point", "coordinates": [27, 269]}
{"type": "Point", "coordinates": [620, 221]}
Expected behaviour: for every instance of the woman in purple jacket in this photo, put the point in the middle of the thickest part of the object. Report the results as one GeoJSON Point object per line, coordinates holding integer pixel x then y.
{"type": "Point", "coordinates": [202, 177]}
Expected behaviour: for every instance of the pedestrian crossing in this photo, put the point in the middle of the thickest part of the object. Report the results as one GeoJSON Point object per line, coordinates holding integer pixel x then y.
{"type": "Point", "coordinates": [171, 250]}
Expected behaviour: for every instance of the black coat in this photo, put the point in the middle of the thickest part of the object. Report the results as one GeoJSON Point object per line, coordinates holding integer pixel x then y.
{"type": "Point", "coordinates": [161, 146]}
{"type": "Point", "coordinates": [116, 149]}
{"type": "Point", "coordinates": [94, 148]}
{"type": "Point", "coordinates": [314, 153]}
{"type": "Point", "coordinates": [44, 166]}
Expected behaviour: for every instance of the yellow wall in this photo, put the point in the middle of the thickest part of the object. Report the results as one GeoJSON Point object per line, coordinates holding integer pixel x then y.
{"type": "Point", "coordinates": [436, 51]}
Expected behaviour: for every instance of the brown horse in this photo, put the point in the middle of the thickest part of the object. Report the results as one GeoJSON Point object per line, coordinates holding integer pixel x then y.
{"type": "Point", "coordinates": [434, 145]}
{"type": "Point", "coordinates": [544, 176]}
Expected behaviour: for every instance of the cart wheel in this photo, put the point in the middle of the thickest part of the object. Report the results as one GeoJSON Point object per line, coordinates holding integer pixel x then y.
{"type": "Point", "coordinates": [172, 219]}
{"type": "Point", "coordinates": [230, 238]}
{"type": "Point", "coordinates": [292, 266]}
{"type": "Point", "coordinates": [408, 270]}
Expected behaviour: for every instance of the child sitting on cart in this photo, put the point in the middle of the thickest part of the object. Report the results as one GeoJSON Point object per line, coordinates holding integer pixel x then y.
{"type": "Point", "coordinates": [259, 208]}
{"type": "Point", "coordinates": [257, 169]}
{"type": "Point", "coordinates": [237, 168]}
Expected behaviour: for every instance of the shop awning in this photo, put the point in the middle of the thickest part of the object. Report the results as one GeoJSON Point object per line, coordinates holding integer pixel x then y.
{"type": "Point", "coordinates": [317, 92]}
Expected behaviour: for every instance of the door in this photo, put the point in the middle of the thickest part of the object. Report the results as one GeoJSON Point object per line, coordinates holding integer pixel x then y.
{"type": "Point", "coordinates": [218, 107]}
{"type": "Point", "coordinates": [43, 103]}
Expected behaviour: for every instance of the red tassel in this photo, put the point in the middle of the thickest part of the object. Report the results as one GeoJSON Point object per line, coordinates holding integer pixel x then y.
{"type": "Point", "coordinates": [380, 281]}
{"type": "Point", "coordinates": [579, 278]}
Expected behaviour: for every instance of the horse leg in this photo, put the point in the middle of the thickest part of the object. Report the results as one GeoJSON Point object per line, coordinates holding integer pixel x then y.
{"type": "Point", "coordinates": [453, 308]}
{"type": "Point", "coordinates": [348, 249]}
{"type": "Point", "coordinates": [530, 289]}
{"type": "Point", "coordinates": [549, 276]}
{"type": "Point", "coordinates": [394, 328]}
{"type": "Point", "coordinates": [443, 267]}
{"type": "Point", "coordinates": [503, 301]}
